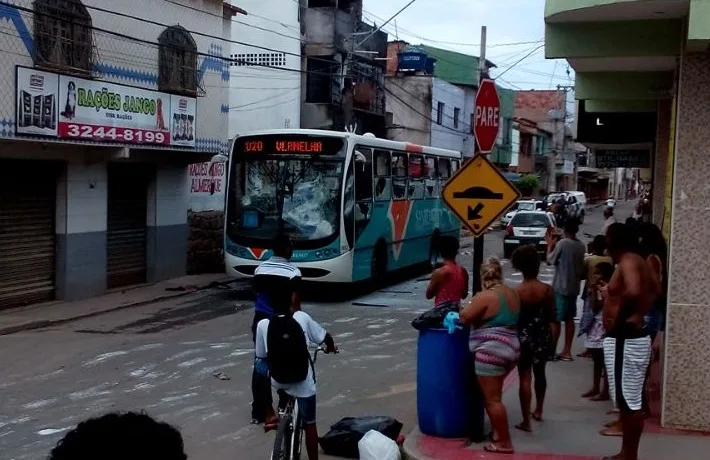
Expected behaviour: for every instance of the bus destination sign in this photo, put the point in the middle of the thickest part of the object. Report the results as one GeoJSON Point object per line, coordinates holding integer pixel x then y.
{"type": "Point", "coordinates": [289, 144]}
{"type": "Point", "coordinates": [299, 146]}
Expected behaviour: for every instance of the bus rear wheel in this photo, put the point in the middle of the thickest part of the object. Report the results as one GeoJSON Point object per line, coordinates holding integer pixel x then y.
{"type": "Point", "coordinates": [379, 262]}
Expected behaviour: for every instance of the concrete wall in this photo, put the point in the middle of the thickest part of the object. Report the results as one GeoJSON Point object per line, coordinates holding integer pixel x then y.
{"type": "Point", "coordinates": [686, 364]}
{"type": "Point", "coordinates": [262, 97]}
{"type": "Point", "coordinates": [446, 135]}
{"type": "Point", "coordinates": [409, 99]}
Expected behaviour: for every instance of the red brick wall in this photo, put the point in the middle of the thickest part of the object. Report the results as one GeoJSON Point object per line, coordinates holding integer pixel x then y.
{"type": "Point", "coordinates": [394, 48]}
{"type": "Point", "coordinates": [535, 105]}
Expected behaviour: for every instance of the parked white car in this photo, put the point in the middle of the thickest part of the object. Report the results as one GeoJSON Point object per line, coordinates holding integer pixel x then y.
{"type": "Point", "coordinates": [521, 205]}
{"type": "Point", "coordinates": [528, 227]}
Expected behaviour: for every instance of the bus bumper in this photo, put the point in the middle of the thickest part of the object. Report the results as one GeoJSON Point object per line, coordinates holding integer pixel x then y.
{"type": "Point", "coordinates": [336, 270]}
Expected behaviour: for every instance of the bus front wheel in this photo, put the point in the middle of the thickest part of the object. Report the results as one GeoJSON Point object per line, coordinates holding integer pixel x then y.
{"type": "Point", "coordinates": [379, 261]}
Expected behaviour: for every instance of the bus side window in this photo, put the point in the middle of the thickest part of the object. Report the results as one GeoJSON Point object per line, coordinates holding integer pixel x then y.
{"type": "Point", "coordinates": [455, 166]}
{"type": "Point", "coordinates": [363, 174]}
{"type": "Point", "coordinates": [363, 189]}
{"type": "Point", "coordinates": [383, 176]}
{"type": "Point", "coordinates": [444, 171]}
{"type": "Point", "coordinates": [399, 175]}
{"type": "Point", "coordinates": [416, 177]}
{"type": "Point", "coordinates": [431, 184]}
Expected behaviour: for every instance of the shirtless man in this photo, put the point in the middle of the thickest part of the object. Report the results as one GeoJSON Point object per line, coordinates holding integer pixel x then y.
{"type": "Point", "coordinates": [627, 348]}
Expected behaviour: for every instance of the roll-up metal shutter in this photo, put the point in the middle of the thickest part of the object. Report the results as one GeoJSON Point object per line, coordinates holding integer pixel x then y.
{"type": "Point", "coordinates": [126, 232]}
{"type": "Point", "coordinates": [27, 234]}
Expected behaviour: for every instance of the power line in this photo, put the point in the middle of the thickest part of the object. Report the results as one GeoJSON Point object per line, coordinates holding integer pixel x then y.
{"type": "Point", "coordinates": [520, 60]}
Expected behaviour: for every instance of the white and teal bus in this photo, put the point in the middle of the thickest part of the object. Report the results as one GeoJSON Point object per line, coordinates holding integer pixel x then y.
{"type": "Point", "coordinates": [355, 206]}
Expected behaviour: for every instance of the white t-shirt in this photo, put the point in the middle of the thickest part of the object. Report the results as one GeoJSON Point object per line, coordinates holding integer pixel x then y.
{"type": "Point", "coordinates": [315, 334]}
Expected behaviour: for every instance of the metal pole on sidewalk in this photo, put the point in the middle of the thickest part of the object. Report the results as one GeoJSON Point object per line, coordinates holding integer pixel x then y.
{"type": "Point", "coordinates": [478, 241]}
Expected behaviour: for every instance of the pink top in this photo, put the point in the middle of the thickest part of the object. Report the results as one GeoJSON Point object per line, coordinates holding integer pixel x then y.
{"type": "Point", "coordinates": [453, 286]}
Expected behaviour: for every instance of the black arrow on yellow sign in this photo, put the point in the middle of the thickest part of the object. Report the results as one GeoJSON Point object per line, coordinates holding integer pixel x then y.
{"type": "Point", "coordinates": [474, 213]}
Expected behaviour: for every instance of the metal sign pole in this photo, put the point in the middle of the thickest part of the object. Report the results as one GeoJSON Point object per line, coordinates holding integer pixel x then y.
{"type": "Point", "coordinates": [478, 240]}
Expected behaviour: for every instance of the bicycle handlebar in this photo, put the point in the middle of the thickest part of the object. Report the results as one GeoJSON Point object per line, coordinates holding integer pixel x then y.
{"type": "Point", "coordinates": [322, 349]}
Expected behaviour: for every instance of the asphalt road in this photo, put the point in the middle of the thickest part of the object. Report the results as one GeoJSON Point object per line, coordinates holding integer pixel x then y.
{"type": "Point", "coordinates": [166, 359]}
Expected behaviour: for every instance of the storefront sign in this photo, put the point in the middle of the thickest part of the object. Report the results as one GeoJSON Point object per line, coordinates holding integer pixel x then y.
{"type": "Point", "coordinates": [77, 108]}
{"type": "Point", "coordinates": [36, 102]}
{"type": "Point", "coordinates": [623, 158]}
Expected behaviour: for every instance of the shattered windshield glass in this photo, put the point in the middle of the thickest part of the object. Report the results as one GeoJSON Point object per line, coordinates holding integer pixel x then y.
{"type": "Point", "coordinates": [296, 196]}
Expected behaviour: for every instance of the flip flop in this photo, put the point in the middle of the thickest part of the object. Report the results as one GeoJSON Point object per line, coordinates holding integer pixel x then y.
{"type": "Point", "coordinates": [611, 433]}
{"type": "Point", "coordinates": [565, 358]}
{"type": "Point", "coordinates": [271, 424]}
{"type": "Point", "coordinates": [492, 448]}
{"type": "Point", "coordinates": [524, 428]}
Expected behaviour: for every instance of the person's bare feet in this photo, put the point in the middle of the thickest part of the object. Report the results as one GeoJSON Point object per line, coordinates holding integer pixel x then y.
{"type": "Point", "coordinates": [537, 415]}
{"type": "Point", "coordinates": [613, 411]}
{"type": "Point", "coordinates": [611, 431]}
{"type": "Point", "coordinates": [524, 426]}
{"type": "Point", "coordinates": [590, 393]}
{"type": "Point", "coordinates": [600, 397]}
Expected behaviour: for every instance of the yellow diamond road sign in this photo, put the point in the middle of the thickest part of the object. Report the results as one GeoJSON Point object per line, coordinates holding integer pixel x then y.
{"type": "Point", "coordinates": [478, 194]}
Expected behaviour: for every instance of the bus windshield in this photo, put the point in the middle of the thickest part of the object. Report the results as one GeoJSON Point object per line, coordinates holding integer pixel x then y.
{"type": "Point", "coordinates": [285, 185]}
{"type": "Point", "coordinates": [298, 197]}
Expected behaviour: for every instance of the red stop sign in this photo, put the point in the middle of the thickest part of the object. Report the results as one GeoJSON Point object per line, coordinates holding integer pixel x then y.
{"type": "Point", "coordinates": [487, 116]}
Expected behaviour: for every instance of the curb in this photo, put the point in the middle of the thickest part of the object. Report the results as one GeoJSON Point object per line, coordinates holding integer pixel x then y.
{"type": "Point", "coordinates": [41, 324]}
{"type": "Point", "coordinates": [410, 450]}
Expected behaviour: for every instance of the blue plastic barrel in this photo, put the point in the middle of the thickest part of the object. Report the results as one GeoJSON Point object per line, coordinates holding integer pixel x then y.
{"type": "Point", "coordinates": [448, 403]}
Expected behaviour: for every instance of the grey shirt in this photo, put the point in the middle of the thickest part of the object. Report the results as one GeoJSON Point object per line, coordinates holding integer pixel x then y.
{"type": "Point", "coordinates": [568, 259]}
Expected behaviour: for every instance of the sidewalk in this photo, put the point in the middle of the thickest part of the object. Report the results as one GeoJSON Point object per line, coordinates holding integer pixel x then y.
{"type": "Point", "coordinates": [59, 312]}
{"type": "Point", "coordinates": [569, 430]}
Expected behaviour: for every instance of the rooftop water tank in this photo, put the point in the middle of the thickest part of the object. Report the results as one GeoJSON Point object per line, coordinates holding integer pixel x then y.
{"type": "Point", "coordinates": [412, 61]}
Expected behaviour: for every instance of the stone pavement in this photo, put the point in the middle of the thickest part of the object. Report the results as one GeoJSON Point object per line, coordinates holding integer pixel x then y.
{"type": "Point", "coordinates": [569, 430]}
{"type": "Point", "coordinates": [55, 313]}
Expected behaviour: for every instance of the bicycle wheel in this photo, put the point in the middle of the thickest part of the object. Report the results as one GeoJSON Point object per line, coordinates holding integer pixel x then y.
{"type": "Point", "coordinates": [282, 442]}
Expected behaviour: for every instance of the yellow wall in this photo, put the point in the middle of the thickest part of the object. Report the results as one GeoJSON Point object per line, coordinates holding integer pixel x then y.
{"type": "Point", "coordinates": [666, 226]}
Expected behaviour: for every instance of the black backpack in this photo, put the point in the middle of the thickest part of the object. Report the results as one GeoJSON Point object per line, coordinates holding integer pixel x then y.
{"type": "Point", "coordinates": [288, 354]}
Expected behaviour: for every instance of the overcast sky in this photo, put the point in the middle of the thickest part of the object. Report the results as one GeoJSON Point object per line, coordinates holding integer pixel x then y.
{"type": "Point", "coordinates": [456, 25]}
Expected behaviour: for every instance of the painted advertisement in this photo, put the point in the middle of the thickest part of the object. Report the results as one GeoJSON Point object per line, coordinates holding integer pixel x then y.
{"type": "Point", "coordinates": [207, 183]}
{"type": "Point", "coordinates": [93, 110]}
{"type": "Point", "coordinates": [182, 117]}
{"type": "Point", "coordinates": [36, 102]}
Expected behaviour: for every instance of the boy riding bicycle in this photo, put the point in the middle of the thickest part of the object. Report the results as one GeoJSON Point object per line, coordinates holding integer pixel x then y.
{"type": "Point", "coordinates": [281, 350]}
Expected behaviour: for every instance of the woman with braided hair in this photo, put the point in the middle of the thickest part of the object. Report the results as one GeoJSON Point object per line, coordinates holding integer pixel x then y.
{"type": "Point", "coordinates": [493, 316]}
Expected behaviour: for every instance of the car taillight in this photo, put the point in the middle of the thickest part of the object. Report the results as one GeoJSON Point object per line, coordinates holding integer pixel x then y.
{"type": "Point", "coordinates": [509, 230]}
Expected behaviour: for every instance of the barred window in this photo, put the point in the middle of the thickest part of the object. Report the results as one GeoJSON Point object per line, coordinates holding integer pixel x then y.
{"type": "Point", "coordinates": [62, 35]}
{"type": "Point", "coordinates": [177, 62]}
{"type": "Point", "coordinates": [259, 59]}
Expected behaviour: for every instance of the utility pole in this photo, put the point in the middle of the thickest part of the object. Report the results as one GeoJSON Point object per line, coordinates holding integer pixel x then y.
{"type": "Point", "coordinates": [478, 241]}
{"type": "Point", "coordinates": [567, 88]}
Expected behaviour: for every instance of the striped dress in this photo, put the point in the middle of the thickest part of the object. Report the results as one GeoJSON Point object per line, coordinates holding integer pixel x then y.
{"type": "Point", "coordinates": [496, 350]}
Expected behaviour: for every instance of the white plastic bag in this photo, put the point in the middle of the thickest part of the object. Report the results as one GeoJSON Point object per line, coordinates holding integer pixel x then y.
{"type": "Point", "coordinates": [376, 446]}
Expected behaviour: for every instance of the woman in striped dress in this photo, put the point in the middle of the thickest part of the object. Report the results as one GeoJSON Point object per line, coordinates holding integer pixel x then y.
{"type": "Point", "coordinates": [493, 315]}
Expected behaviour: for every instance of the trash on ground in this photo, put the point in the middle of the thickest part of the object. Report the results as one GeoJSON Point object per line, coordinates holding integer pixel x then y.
{"type": "Point", "coordinates": [376, 446]}
{"type": "Point", "coordinates": [221, 376]}
{"type": "Point", "coordinates": [343, 438]}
